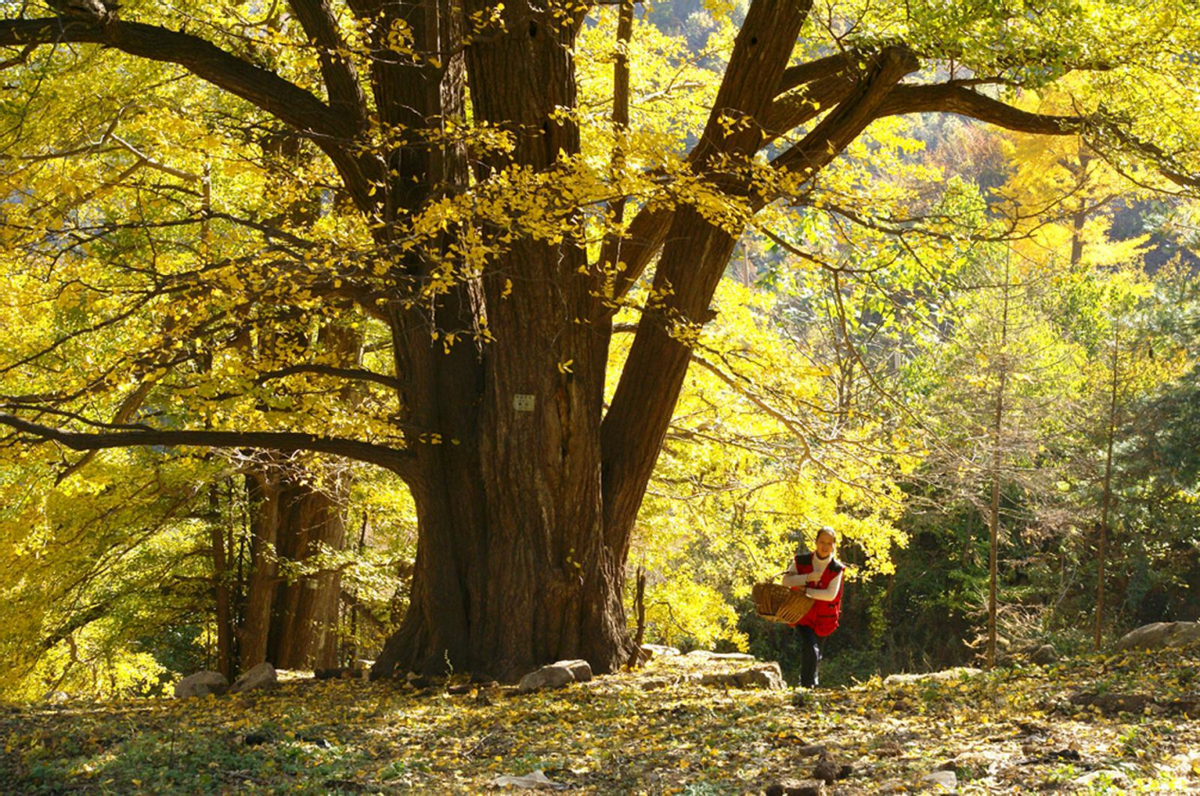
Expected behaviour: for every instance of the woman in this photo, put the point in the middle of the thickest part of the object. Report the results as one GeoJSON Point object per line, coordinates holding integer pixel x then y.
{"type": "Point", "coordinates": [819, 575]}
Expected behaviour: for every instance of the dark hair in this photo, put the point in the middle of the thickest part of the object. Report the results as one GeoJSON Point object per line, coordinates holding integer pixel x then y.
{"type": "Point", "coordinates": [829, 530]}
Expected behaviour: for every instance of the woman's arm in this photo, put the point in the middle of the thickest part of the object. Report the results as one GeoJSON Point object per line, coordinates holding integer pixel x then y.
{"type": "Point", "coordinates": [827, 593]}
{"type": "Point", "coordinates": [792, 579]}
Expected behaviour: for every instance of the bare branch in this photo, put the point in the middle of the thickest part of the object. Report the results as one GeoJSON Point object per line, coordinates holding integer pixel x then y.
{"type": "Point", "coordinates": [19, 58]}
{"type": "Point", "coordinates": [125, 411]}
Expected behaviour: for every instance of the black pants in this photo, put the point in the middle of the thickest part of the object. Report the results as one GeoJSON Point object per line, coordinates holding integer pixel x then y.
{"type": "Point", "coordinates": [810, 650]}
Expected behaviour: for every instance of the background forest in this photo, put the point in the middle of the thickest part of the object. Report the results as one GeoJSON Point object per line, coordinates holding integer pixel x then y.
{"type": "Point", "coordinates": [960, 332]}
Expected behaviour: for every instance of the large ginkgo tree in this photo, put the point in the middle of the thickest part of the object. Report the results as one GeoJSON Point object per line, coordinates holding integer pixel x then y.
{"type": "Point", "coordinates": [393, 231]}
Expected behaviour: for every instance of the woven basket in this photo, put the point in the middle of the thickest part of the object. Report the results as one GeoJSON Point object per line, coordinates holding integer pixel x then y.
{"type": "Point", "coordinates": [777, 603]}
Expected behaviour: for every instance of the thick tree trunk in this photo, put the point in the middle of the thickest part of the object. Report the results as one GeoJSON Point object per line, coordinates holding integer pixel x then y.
{"type": "Point", "coordinates": [303, 633]}
{"type": "Point", "coordinates": [524, 522]}
{"type": "Point", "coordinates": [292, 625]}
{"type": "Point", "coordinates": [512, 567]}
{"type": "Point", "coordinates": [261, 584]}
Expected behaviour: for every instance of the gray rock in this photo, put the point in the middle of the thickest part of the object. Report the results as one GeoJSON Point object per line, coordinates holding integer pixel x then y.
{"type": "Point", "coordinates": [535, 780]}
{"type": "Point", "coordinates": [706, 655]}
{"type": "Point", "coordinates": [552, 676]}
{"type": "Point", "coordinates": [1106, 776]}
{"type": "Point", "coordinates": [947, 780]}
{"type": "Point", "coordinates": [580, 670]}
{"type": "Point", "coordinates": [201, 684]}
{"type": "Point", "coordinates": [957, 673]}
{"type": "Point", "coordinates": [1044, 655]}
{"type": "Point", "coordinates": [653, 683]}
{"type": "Point", "coordinates": [658, 651]}
{"type": "Point", "coordinates": [260, 676]}
{"type": "Point", "coordinates": [764, 675]}
{"type": "Point", "coordinates": [1110, 704]}
{"type": "Point", "coordinates": [1161, 634]}
{"type": "Point", "coordinates": [56, 697]}
{"type": "Point", "coordinates": [827, 769]}
{"type": "Point", "coordinates": [792, 787]}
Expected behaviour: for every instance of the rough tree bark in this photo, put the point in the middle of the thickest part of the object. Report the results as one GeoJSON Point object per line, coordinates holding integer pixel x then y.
{"type": "Point", "coordinates": [304, 611]}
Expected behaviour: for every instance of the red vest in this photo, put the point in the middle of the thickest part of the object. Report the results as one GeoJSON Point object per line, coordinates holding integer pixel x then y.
{"type": "Point", "coordinates": [823, 616]}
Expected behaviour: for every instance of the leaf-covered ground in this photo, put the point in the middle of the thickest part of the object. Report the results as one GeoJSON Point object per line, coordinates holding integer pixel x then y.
{"type": "Point", "coordinates": [1012, 730]}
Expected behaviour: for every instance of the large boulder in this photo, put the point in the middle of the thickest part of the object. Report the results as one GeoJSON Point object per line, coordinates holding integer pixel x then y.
{"type": "Point", "coordinates": [580, 670]}
{"type": "Point", "coordinates": [261, 676]}
{"type": "Point", "coordinates": [555, 675]}
{"type": "Point", "coordinates": [1161, 634]}
{"type": "Point", "coordinates": [201, 684]}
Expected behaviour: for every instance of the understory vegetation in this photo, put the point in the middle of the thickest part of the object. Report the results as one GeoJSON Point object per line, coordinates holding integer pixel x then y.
{"type": "Point", "coordinates": [1013, 729]}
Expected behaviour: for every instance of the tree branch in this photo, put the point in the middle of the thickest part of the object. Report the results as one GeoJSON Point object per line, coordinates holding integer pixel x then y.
{"type": "Point", "coordinates": [852, 115]}
{"type": "Point", "coordinates": [692, 262]}
{"type": "Point", "coordinates": [332, 129]}
{"type": "Point", "coordinates": [263, 88]}
{"type": "Point", "coordinates": [329, 370]}
{"type": "Point", "coordinates": [398, 461]}
{"type": "Point", "coordinates": [965, 102]}
{"type": "Point", "coordinates": [341, 82]}
{"type": "Point", "coordinates": [807, 102]}
{"type": "Point", "coordinates": [825, 82]}
{"type": "Point", "coordinates": [829, 66]}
